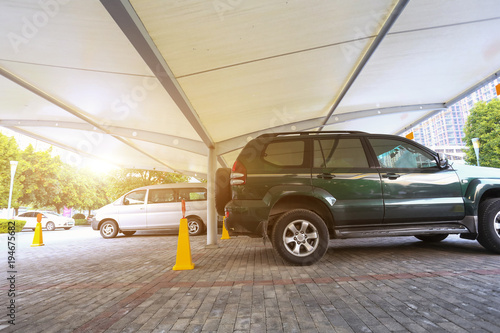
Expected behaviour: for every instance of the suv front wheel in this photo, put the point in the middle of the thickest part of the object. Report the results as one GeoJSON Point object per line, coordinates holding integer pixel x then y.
{"type": "Point", "coordinates": [489, 225]}
{"type": "Point", "coordinates": [300, 237]}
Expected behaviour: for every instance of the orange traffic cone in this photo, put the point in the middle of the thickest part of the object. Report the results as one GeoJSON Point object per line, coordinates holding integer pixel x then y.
{"type": "Point", "coordinates": [225, 234]}
{"type": "Point", "coordinates": [183, 261]}
{"type": "Point", "coordinates": [38, 238]}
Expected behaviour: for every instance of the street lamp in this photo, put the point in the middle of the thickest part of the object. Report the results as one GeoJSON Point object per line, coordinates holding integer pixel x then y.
{"type": "Point", "coordinates": [475, 144]}
{"type": "Point", "coordinates": [13, 167]}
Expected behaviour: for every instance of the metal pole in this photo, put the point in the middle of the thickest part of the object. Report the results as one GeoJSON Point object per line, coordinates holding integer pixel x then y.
{"type": "Point", "coordinates": [13, 167]}
{"type": "Point", "coordinates": [211, 212]}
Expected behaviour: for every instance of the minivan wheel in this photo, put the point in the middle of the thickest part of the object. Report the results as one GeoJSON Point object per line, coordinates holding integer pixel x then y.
{"type": "Point", "coordinates": [489, 225]}
{"type": "Point", "coordinates": [222, 189]}
{"type": "Point", "coordinates": [300, 237]}
{"type": "Point", "coordinates": [195, 226]}
{"type": "Point", "coordinates": [431, 238]}
{"type": "Point", "coordinates": [109, 229]}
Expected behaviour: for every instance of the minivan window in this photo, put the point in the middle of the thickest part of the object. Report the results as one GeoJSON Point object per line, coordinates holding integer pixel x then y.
{"type": "Point", "coordinates": [192, 194]}
{"type": "Point", "coordinates": [339, 153]}
{"type": "Point", "coordinates": [161, 196]}
{"type": "Point", "coordinates": [400, 154]}
{"type": "Point", "coordinates": [285, 153]}
{"type": "Point", "coordinates": [135, 198]}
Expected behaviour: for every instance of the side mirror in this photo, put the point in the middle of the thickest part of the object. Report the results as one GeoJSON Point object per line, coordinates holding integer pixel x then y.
{"type": "Point", "coordinates": [126, 202]}
{"type": "Point", "coordinates": [443, 161]}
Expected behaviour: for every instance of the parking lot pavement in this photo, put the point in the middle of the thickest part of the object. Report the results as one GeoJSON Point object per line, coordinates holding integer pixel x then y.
{"type": "Point", "coordinates": [79, 282]}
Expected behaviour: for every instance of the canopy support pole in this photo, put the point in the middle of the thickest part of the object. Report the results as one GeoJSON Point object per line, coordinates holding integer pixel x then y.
{"type": "Point", "coordinates": [211, 212]}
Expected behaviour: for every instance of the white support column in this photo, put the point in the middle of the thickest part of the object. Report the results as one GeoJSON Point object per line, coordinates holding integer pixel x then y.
{"type": "Point", "coordinates": [211, 212]}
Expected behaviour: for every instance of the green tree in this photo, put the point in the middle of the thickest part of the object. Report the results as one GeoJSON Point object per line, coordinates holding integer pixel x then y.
{"type": "Point", "coordinates": [484, 123]}
{"type": "Point", "coordinates": [9, 151]}
{"type": "Point", "coordinates": [41, 183]}
{"type": "Point", "coordinates": [123, 180]}
{"type": "Point", "coordinates": [90, 191]}
{"type": "Point", "coordinates": [69, 194]}
{"type": "Point", "coordinates": [100, 197]}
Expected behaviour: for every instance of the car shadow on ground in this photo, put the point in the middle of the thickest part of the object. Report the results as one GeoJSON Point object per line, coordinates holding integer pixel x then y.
{"type": "Point", "coordinates": [140, 234]}
{"type": "Point", "coordinates": [406, 244]}
{"type": "Point", "coordinates": [145, 233]}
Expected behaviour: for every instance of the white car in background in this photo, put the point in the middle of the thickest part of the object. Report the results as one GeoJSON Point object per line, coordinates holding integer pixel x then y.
{"type": "Point", "coordinates": [50, 221]}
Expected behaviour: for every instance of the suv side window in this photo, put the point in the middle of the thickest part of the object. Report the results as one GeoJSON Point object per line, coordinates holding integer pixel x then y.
{"type": "Point", "coordinates": [161, 196]}
{"type": "Point", "coordinates": [135, 198]}
{"type": "Point", "coordinates": [339, 153]}
{"type": "Point", "coordinates": [285, 153]}
{"type": "Point", "coordinates": [400, 154]}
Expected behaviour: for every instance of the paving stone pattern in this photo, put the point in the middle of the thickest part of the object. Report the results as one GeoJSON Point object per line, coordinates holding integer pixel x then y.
{"type": "Point", "coordinates": [127, 284]}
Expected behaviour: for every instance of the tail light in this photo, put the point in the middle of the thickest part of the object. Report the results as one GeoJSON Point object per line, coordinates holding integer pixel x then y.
{"type": "Point", "coordinates": [238, 174]}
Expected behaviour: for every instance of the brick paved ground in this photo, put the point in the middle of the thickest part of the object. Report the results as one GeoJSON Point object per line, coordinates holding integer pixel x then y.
{"type": "Point", "coordinates": [366, 285]}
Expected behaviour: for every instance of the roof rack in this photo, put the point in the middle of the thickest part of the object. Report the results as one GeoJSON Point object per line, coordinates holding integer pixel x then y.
{"type": "Point", "coordinates": [309, 133]}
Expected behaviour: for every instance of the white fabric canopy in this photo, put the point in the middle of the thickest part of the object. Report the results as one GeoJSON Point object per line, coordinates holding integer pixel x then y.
{"type": "Point", "coordinates": [153, 84]}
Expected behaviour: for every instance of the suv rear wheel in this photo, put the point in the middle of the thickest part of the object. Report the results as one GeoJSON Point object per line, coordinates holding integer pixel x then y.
{"type": "Point", "coordinates": [489, 225]}
{"type": "Point", "coordinates": [300, 237]}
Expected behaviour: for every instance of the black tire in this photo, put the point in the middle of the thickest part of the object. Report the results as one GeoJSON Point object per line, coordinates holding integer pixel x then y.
{"type": "Point", "coordinates": [50, 226]}
{"type": "Point", "coordinates": [128, 233]}
{"type": "Point", "coordinates": [300, 237]}
{"type": "Point", "coordinates": [489, 225]}
{"type": "Point", "coordinates": [195, 226]}
{"type": "Point", "coordinates": [432, 238]}
{"type": "Point", "coordinates": [109, 229]}
{"type": "Point", "coordinates": [223, 192]}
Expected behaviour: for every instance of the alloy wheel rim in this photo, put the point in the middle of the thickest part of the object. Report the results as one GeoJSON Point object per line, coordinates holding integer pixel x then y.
{"type": "Point", "coordinates": [496, 224]}
{"type": "Point", "coordinates": [300, 238]}
{"type": "Point", "coordinates": [108, 229]}
{"type": "Point", "coordinates": [193, 227]}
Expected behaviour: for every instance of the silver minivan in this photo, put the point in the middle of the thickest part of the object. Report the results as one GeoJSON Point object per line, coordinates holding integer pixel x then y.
{"type": "Point", "coordinates": [155, 207]}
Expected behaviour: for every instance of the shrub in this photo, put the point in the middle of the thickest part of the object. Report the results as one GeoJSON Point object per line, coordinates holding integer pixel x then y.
{"type": "Point", "coordinates": [4, 226]}
{"type": "Point", "coordinates": [81, 221]}
{"type": "Point", "coordinates": [78, 216]}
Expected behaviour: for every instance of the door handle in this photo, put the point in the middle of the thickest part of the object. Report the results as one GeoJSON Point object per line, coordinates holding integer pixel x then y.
{"type": "Point", "coordinates": [325, 176]}
{"type": "Point", "coordinates": [391, 175]}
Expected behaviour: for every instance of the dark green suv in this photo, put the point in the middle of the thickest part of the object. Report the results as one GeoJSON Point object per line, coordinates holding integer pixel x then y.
{"type": "Point", "coordinates": [302, 189]}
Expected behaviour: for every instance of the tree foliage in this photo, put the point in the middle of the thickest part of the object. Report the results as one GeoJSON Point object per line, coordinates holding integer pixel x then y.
{"type": "Point", "coordinates": [9, 151]}
{"type": "Point", "coordinates": [44, 181]}
{"type": "Point", "coordinates": [91, 190]}
{"type": "Point", "coordinates": [42, 185]}
{"type": "Point", "coordinates": [484, 123]}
